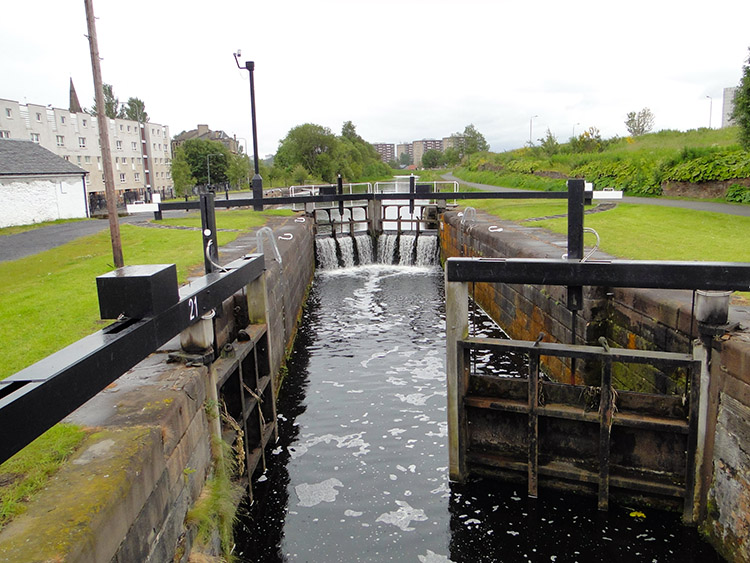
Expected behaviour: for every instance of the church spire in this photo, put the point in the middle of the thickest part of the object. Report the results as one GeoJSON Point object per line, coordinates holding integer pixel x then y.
{"type": "Point", "coordinates": [75, 105]}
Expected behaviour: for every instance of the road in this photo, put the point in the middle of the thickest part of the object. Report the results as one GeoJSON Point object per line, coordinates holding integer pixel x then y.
{"type": "Point", "coordinates": [726, 208]}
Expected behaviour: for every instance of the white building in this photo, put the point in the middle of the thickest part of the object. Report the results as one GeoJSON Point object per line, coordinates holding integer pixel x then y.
{"type": "Point", "coordinates": [141, 152]}
{"type": "Point", "coordinates": [37, 185]}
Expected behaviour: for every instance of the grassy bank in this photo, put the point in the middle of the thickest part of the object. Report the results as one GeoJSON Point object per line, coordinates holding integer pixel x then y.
{"type": "Point", "coordinates": [639, 165]}
{"type": "Point", "coordinates": [49, 300]}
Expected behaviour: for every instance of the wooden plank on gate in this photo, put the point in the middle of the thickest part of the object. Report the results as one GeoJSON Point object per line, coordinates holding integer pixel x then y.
{"type": "Point", "coordinates": [533, 429]}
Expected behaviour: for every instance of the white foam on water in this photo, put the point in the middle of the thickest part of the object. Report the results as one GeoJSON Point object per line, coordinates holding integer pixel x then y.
{"type": "Point", "coordinates": [312, 494]}
{"type": "Point", "coordinates": [403, 517]}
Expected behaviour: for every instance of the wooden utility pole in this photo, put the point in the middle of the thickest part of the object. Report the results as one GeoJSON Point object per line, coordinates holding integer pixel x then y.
{"type": "Point", "coordinates": [109, 174]}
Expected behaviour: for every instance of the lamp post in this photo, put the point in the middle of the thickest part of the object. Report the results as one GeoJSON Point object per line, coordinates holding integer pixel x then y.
{"type": "Point", "coordinates": [257, 181]}
{"type": "Point", "coordinates": [531, 121]}
{"type": "Point", "coordinates": [710, 110]}
{"type": "Point", "coordinates": [208, 166]}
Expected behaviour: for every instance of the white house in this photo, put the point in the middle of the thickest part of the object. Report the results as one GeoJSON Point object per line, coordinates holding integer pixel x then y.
{"type": "Point", "coordinates": [37, 185]}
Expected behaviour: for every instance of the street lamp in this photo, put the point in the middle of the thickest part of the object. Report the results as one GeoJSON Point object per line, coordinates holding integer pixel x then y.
{"type": "Point", "coordinates": [531, 121]}
{"type": "Point", "coordinates": [208, 166]}
{"type": "Point", "coordinates": [257, 181]}
{"type": "Point", "coordinates": [710, 110]}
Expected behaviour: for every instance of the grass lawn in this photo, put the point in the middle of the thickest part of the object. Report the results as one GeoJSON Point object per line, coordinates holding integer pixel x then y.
{"type": "Point", "coordinates": [24, 228]}
{"type": "Point", "coordinates": [49, 300]}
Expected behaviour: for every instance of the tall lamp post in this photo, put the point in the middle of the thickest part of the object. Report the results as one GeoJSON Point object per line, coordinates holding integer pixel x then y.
{"type": "Point", "coordinates": [710, 110]}
{"type": "Point", "coordinates": [531, 121]}
{"type": "Point", "coordinates": [208, 166]}
{"type": "Point", "coordinates": [257, 181]}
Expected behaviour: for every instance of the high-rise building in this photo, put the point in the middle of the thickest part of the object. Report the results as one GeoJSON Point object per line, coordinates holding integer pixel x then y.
{"type": "Point", "coordinates": [141, 152]}
{"type": "Point", "coordinates": [387, 151]}
{"type": "Point", "coordinates": [424, 145]}
{"type": "Point", "coordinates": [407, 148]}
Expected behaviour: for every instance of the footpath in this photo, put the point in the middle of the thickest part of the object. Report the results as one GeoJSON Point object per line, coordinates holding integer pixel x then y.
{"type": "Point", "coordinates": [726, 208]}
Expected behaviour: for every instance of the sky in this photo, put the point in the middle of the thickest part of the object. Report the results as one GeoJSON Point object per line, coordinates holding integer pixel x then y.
{"type": "Point", "coordinates": [400, 70]}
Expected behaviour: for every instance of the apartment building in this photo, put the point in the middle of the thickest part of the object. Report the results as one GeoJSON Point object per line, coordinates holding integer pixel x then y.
{"type": "Point", "coordinates": [387, 151]}
{"type": "Point", "coordinates": [141, 152]}
{"type": "Point", "coordinates": [407, 148]}
{"type": "Point", "coordinates": [422, 146]}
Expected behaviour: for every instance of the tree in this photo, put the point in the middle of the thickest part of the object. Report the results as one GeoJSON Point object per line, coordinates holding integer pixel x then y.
{"type": "Point", "coordinates": [112, 107]}
{"type": "Point", "coordinates": [404, 159]}
{"type": "Point", "coordinates": [588, 141]}
{"type": "Point", "coordinates": [451, 156]}
{"type": "Point", "coordinates": [640, 123]}
{"type": "Point", "coordinates": [135, 109]}
{"type": "Point", "coordinates": [238, 171]}
{"type": "Point", "coordinates": [741, 112]}
{"type": "Point", "coordinates": [432, 158]}
{"type": "Point", "coordinates": [181, 174]}
{"type": "Point", "coordinates": [470, 141]}
{"type": "Point", "coordinates": [549, 144]}
{"type": "Point", "coordinates": [313, 147]}
{"type": "Point", "coordinates": [199, 155]}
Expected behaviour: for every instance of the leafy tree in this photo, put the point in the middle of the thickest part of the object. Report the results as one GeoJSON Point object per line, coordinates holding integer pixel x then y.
{"type": "Point", "coordinates": [640, 123]}
{"type": "Point", "coordinates": [404, 159]}
{"type": "Point", "coordinates": [112, 107]}
{"type": "Point", "coordinates": [238, 171]}
{"type": "Point", "coordinates": [549, 144]}
{"type": "Point", "coordinates": [135, 109]}
{"type": "Point", "coordinates": [451, 156]}
{"type": "Point", "coordinates": [432, 158]}
{"type": "Point", "coordinates": [313, 147]}
{"type": "Point", "coordinates": [299, 175]}
{"type": "Point", "coordinates": [182, 176]}
{"type": "Point", "coordinates": [470, 141]}
{"type": "Point", "coordinates": [199, 154]}
{"type": "Point", "coordinates": [741, 112]}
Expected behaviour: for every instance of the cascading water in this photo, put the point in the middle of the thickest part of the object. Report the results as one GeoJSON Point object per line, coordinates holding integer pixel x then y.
{"type": "Point", "coordinates": [364, 249]}
{"type": "Point", "coordinates": [325, 249]}
{"type": "Point", "coordinates": [401, 249]}
{"type": "Point", "coordinates": [346, 245]}
{"type": "Point", "coordinates": [406, 245]}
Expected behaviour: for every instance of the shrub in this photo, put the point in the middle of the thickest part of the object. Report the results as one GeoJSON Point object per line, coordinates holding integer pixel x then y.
{"type": "Point", "coordinates": [738, 193]}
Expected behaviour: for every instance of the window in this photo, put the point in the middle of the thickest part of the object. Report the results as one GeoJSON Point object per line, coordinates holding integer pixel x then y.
{"type": "Point", "coordinates": [8, 113]}
{"type": "Point", "coordinates": [35, 137]}
{"type": "Point", "coordinates": [134, 146]}
{"type": "Point", "coordinates": [62, 119]}
{"type": "Point", "coordinates": [39, 117]}
{"type": "Point", "coordinates": [122, 178]}
{"type": "Point", "coordinates": [119, 145]}
{"type": "Point", "coordinates": [87, 159]}
{"type": "Point", "coordinates": [137, 176]}
{"type": "Point", "coordinates": [121, 126]}
{"type": "Point", "coordinates": [128, 128]}
{"type": "Point", "coordinates": [83, 122]}
{"type": "Point", "coordinates": [78, 159]}
{"type": "Point", "coordinates": [117, 160]}
{"type": "Point", "coordinates": [66, 157]}
{"type": "Point", "coordinates": [4, 134]}
{"type": "Point", "coordinates": [60, 141]}
{"type": "Point", "coordinates": [82, 142]}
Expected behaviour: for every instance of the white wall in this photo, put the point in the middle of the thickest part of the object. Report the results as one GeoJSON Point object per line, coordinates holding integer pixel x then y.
{"type": "Point", "coordinates": [24, 201]}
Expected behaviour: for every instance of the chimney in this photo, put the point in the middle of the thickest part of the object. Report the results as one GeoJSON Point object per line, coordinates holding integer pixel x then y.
{"type": "Point", "coordinates": [202, 130]}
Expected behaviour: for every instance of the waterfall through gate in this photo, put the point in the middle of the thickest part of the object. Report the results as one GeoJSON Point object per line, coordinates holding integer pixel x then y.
{"type": "Point", "coordinates": [402, 249]}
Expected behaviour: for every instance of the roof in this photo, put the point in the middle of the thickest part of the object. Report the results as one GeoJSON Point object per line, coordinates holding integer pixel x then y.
{"type": "Point", "coordinates": [26, 158]}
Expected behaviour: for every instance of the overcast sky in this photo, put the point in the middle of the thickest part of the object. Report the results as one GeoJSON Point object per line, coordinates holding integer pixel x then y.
{"type": "Point", "coordinates": [399, 69]}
